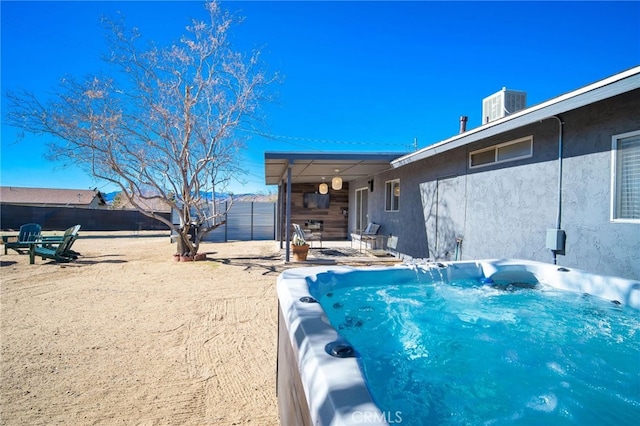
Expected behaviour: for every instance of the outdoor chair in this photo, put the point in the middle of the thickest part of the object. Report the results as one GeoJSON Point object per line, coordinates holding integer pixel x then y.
{"type": "Point", "coordinates": [57, 251]}
{"type": "Point", "coordinates": [50, 241]}
{"type": "Point", "coordinates": [368, 235]}
{"type": "Point", "coordinates": [392, 246]}
{"type": "Point", "coordinates": [29, 232]}
{"type": "Point", "coordinates": [307, 235]}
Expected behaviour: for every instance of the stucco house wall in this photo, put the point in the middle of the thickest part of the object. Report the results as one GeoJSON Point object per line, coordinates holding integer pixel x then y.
{"type": "Point", "coordinates": [508, 207]}
{"type": "Point", "coordinates": [504, 210]}
{"type": "Point", "coordinates": [594, 242]}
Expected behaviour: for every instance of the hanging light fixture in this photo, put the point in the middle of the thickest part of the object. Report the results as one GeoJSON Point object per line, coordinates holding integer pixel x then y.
{"type": "Point", "coordinates": [323, 188]}
{"type": "Point", "coordinates": [336, 182]}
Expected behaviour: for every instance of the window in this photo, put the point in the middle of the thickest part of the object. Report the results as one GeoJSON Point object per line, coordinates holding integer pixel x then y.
{"type": "Point", "coordinates": [392, 195]}
{"type": "Point", "coordinates": [510, 151]}
{"type": "Point", "coordinates": [625, 177]}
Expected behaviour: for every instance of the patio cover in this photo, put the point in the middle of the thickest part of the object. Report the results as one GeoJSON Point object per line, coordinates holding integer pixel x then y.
{"type": "Point", "coordinates": [309, 167]}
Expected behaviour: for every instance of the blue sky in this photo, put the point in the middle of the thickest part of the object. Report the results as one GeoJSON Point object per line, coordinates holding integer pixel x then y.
{"type": "Point", "coordinates": [358, 76]}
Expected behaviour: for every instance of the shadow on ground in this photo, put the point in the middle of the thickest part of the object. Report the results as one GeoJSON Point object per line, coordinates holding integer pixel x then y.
{"type": "Point", "coordinates": [269, 264]}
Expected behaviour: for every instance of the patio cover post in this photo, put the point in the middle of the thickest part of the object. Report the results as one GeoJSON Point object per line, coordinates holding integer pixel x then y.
{"type": "Point", "coordinates": [288, 217]}
{"type": "Point", "coordinates": [280, 214]}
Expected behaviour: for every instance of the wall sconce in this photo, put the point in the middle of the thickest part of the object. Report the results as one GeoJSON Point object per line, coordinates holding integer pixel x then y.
{"type": "Point", "coordinates": [336, 182]}
{"type": "Point", "coordinates": [323, 188]}
{"type": "Point", "coordinates": [371, 185]}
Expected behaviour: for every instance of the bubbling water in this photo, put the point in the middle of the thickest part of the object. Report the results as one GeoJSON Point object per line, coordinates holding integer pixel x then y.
{"type": "Point", "coordinates": [468, 352]}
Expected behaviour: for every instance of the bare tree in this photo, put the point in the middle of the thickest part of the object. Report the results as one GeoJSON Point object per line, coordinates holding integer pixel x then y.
{"type": "Point", "coordinates": [163, 125]}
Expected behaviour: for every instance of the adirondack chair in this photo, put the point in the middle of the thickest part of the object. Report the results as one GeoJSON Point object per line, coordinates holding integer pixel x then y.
{"type": "Point", "coordinates": [51, 241]}
{"type": "Point", "coordinates": [56, 251]}
{"type": "Point", "coordinates": [29, 232]}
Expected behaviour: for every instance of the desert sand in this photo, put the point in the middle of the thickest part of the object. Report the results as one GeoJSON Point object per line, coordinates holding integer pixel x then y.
{"type": "Point", "coordinates": [125, 335]}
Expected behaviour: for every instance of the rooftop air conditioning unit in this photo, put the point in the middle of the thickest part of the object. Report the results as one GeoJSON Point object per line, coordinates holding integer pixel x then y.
{"type": "Point", "coordinates": [502, 103]}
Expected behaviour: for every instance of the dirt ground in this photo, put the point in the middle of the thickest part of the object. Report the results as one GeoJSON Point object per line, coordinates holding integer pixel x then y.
{"type": "Point", "coordinates": [125, 335]}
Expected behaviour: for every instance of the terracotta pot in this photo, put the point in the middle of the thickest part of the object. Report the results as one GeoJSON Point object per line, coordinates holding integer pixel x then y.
{"type": "Point", "coordinates": [200, 256]}
{"type": "Point", "coordinates": [176, 258]}
{"type": "Point", "coordinates": [186, 259]}
{"type": "Point", "coordinates": [300, 252]}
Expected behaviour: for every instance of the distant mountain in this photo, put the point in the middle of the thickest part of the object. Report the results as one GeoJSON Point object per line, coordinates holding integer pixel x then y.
{"type": "Point", "coordinates": [109, 196]}
{"type": "Point", "coordinates": [256, 198]}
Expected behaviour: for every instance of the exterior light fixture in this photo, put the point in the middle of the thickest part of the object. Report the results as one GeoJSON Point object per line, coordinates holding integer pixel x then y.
{"type": "Point", "coordinates": [323, 188]}
{"type": "Point", "coordinates": [336, 182]}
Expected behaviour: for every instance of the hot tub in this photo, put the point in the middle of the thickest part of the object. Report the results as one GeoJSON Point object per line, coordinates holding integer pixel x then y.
{"type": "Point", "coordinates": [320, 379]}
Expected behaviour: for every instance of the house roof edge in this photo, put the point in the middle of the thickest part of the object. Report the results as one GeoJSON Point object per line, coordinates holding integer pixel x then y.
{"type": "Point", "coordinates": [617, 84]}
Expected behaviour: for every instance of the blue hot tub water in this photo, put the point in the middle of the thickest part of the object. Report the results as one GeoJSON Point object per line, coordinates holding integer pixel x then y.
{"type": "Point", "coordinates": [474, 352]}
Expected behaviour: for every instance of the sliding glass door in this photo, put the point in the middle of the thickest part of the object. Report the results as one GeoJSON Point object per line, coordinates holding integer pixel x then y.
{"type": "Point", "coordinates": [362, 211]}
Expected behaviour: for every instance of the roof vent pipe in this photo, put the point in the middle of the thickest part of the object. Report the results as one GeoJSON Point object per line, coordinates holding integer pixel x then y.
{"type": "Point", "coordinates": [463, 123]}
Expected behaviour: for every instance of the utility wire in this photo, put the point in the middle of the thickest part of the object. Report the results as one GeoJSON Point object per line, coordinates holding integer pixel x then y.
{"type": "Point", "coordinates": [286, 139]}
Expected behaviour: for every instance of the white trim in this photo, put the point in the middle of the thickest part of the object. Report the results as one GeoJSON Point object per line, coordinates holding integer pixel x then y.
{"type": "Point", "coordinates": [496, 149]}
{"type": "Point", "coordinates": [358, 204]}
{"type": "Point", "coordinates": [614, 177]}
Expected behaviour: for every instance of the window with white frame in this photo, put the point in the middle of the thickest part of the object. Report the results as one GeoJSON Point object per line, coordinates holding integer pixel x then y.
{"type": "Point", "coordinates": [508, 151]}
{"type": "Point", "coordinates": [392, 195]}
{"type": "Point", "coordinates": [625, 177]}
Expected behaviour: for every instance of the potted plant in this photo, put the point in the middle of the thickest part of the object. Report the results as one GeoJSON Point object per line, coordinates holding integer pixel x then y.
{"type": "Point", "coordinates": [299, 247]}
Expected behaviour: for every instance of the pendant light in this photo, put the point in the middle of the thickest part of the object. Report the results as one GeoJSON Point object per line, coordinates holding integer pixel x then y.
{"type": "Point", "coordinates": [336, 182]}
{"type": "Point", "coordinates": [323, 188]}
